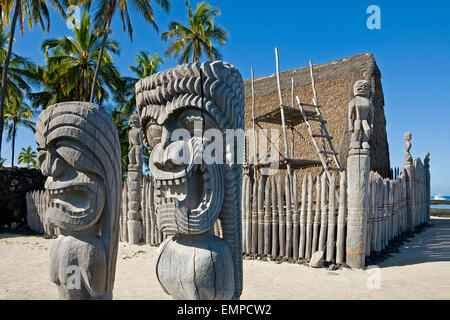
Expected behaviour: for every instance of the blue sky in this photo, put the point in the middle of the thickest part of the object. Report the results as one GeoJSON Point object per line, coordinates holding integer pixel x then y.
{"type": "Point", "coordinates": [412, 50]}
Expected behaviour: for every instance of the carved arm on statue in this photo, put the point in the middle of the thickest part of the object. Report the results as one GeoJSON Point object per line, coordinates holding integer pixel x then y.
{"type": "Point", "coordinates": [351, 116]}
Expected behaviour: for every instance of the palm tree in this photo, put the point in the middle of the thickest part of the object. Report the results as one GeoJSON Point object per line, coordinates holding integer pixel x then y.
{"type": "Point", "coordinates": [120, 118]}
{"type": "Point", "coordinates": [28, 157]}
{"type": "Point", "coordinates": [17, 113]}
{"type": "Point", "coordinates": [146, 65]}
{"type": "Point", "coordinates": [196, 38]}
{"type": "Point", "coordinates": [36, 11]}
{"type": "Point", "coordinates": [105, 13]}
{"type": "Point", "coordinates": [124, 95]}
{"type": "Point", "coordinates": [70, 65]}
{"type": "Point", "coordinates": [21, 71]}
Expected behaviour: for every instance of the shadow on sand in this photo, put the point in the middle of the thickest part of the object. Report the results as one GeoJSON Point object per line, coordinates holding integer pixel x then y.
{"type": "Point", "coordinates": [431, 245]}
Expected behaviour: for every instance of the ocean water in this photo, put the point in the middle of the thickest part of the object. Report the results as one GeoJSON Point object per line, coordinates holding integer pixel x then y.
{"type": "Point", "coordinates": [440, 206]}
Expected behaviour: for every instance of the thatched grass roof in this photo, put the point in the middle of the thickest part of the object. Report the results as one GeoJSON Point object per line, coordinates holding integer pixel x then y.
{"type": "Point", "coordinates": [334, 82]}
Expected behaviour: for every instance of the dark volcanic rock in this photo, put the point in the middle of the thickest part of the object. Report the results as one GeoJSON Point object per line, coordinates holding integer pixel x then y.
{"type": "Point", "coordinates": [14, 184]}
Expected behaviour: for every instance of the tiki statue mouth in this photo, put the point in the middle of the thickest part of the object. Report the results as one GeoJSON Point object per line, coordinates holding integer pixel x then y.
{"type": "Point", "coordinates": [185, 189]}
{"type": "Point", "coordinates": [75, 204]}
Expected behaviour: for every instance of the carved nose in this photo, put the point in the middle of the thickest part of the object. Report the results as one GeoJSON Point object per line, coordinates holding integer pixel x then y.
{"type": "Point", "coordinates": [175, 154]}
{"type": "Point", "coordinates": [53, 165]}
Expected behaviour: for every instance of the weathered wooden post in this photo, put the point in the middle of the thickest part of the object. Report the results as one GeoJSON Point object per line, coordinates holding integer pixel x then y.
{"type": "Point", "coordinates": [409, 171]}
{"type": "Point", "coordinates": [422, 192]}
{"type": "Point", "coordinates": [324, 212]}
{"type": "Point", "coordinates": [360, 120]}
{"type": "Point", "coordinates": [402, 188]}
{"type": "Point", "coordinates": [248, 220]}
{"type": "Point", "coordinates": [281, 218]}
{"type": "Point", "coordinates": [125, 212]}
{"type": "Point", "coordinates": [275, 211]}
{"type": "Point", "coordinates": [390, 209]}
{"type": "Point", "coordinates": [295, 219]}
{"type": "Point", "coordinates": [309, 218]}
{"type": "Point", "coordinates": [341, 219]}
{"type": "Point", "coordinates": [426, 162]}
{"type": "Point", "coordinates": [316, 218]}
{"type": "Point", "coordinates": [331, 220]}
{"type": "Point", "coordinates": [302, 241]}
{"type": "Point", "coordinates": [149, 195]}
{"type": "Point", "coordinates": [288, 193]}
{"type": "Point", "coordinates": [374, 215]}
{"type": "Point", "coordinates": [371, 213]}
{"type": "Point", "coordinates": [254, 242]}
{"type": "Point", "coordinates": [244, 210]}
{"type": "Point", "coordinates": [386, 213]}
{"type": "Point", "coordinates": [144, 209]}
{"type": "Point", "coordinates": [379, 213]}
{"type": "Point", "coordinates": [261, 190]}
{"type": "Point", "coordinates": [267, 217]}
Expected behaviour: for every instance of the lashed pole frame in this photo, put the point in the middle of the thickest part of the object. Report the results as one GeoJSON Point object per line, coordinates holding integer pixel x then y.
{"type": "Point", "coordinates": [283, 122]}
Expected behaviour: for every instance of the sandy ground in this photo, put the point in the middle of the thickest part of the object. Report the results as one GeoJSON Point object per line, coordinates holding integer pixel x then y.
{"type": "Point", "coordinates": [421, 270]}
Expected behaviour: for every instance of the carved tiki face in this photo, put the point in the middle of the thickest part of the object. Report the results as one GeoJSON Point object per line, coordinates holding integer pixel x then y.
{"type": "Point", "coordinates": [190, 192]}
{"type": "Point", "coordinates": [361, 88]}
{"type": "Point", "coordinates": [408, 136]}
{"type": "Point", "coordinates": [69, 142]}
{"type": "Point", "coordinates": [134, 121]}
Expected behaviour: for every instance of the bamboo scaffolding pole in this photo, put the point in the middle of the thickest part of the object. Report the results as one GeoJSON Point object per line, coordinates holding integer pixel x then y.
{"type": "Point", "coordinates": [286, 149]}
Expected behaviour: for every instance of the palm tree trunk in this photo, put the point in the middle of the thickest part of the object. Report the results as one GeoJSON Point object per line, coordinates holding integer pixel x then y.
{"type": "Point", "coordinates": [13, 144]}
{"type": "Point", "coordinates": [102, 48]}
{"type": "Point", "coordinates": [5, 71]}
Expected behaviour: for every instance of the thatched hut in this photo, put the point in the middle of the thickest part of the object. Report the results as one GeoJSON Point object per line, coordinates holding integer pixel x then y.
{"type": "Point", "coordinates": [334, 82]}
